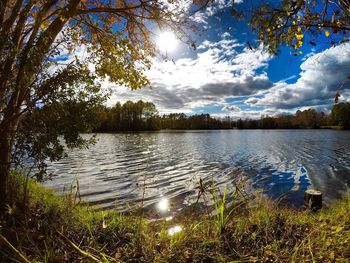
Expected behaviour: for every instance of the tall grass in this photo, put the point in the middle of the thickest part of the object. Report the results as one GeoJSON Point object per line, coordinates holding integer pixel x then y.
{"type": "Point", "coordinates": [57, 230]}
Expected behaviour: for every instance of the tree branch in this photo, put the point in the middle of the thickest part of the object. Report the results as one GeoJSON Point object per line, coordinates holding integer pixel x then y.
{"type": "Point", "coordinates": [107, 10]}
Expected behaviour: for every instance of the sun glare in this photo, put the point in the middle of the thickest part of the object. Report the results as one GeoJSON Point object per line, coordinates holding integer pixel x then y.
{"type": "Point", "coordinates": [167, 42]}
{"type": "Point", "coordinates": [163, 205]}
{"type": "Point", "coordinates": [176, 229]}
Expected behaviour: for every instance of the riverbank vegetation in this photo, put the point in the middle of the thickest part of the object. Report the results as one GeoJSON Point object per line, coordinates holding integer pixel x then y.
{"type": "Point", "coordinates": [41, 227]}
{"type": "Point", "coordinates": [339, 118]}
{"type": "Point", "coordinates": [144, 116]}
{"type": "Point", "coordinates": [49, 95]}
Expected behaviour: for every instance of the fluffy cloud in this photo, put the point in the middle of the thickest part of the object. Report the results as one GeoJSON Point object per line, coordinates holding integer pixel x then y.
{"type": "Point", "coordinates": [249, 114]}
{"type": "Point", "coordinates": [219, 72]}
{"type": "Point", "coordinates": [322, 75]}
{"type": "Point", "coordinates": [231, 108]}
{"type": "Point", "coordinates": [217, 5]}
{"type": "Point", "coordinates": [216, 73]}
{"type": "Point", "coordinates": [212, 9]}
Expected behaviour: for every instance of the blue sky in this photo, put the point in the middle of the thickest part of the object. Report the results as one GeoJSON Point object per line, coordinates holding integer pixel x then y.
{"type": "Point", "coordinates": [224, 77]}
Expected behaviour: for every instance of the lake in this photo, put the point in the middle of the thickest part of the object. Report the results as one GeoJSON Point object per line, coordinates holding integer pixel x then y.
{"type": "Point", "coordinates": [129, 169]}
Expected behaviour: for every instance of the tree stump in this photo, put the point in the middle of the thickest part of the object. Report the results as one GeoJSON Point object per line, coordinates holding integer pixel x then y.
{"type": "Point", "coordinates": [313, 199]}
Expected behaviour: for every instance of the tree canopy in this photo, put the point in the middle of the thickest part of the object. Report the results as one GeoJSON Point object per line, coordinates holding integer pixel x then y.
{"type": "Point", "coordinates": [294, 22]}
{"type": "Point", "coordinates": [130, 116]}
{"type": "Point", "coordinates": [144, 116]}
{"type": "Point", "coordinates": [36, 34]}
{"type": "Point", "coordinates": [341, 114]}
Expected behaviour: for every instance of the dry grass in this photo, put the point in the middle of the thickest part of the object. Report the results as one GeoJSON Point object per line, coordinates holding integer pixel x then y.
{"type": "Point", "coordinates": [48, 228]}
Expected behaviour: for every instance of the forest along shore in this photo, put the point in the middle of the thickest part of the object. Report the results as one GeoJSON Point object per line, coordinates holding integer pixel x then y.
{"type": "Point", "coordinates": [144, 116]}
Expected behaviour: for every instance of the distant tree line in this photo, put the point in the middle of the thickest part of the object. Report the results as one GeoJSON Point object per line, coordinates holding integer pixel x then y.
{"type": "Point", "coordinates": [307, 119]}
{"type": "Point", "coordinates": [144, 116]}
{"type": "Point", "coordinates": [302, 119]}
{"type": "Point", "coordinates": [180, 121]}
{"type": "Point", "coordinates": [130, 116]}
{"type": "Point", "coordinates": [340, 115]}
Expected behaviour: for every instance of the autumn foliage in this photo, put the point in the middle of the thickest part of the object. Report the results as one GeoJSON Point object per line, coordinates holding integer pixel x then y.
{"type": "Point", "coordinates": [115, 36]}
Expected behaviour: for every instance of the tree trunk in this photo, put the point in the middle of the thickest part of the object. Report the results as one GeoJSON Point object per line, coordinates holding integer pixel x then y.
{"type": "Point", "coordinates": [6, 139]}
{"type": "Point", "coordinates": [5, 161]}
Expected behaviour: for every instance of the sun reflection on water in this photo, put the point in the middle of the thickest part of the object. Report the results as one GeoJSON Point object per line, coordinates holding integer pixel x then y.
{"type": "Point", "coordinates": [163, 205]}
{"type": "Point", "coordinates": [168, 218]}
{"type": "Point", "coordinates": [174, 230]}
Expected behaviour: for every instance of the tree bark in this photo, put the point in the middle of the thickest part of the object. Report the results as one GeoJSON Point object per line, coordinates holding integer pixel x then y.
{"type": "Point", "coordinates": [7, 135]}
{"type": "Point", "coordinates": [28, 68]}
{"type": "Point", "coordinates": [5, 163]}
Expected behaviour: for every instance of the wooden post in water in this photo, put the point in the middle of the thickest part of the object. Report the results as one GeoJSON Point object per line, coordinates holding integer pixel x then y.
{"type": "Point", "coordinates": [313, 199]}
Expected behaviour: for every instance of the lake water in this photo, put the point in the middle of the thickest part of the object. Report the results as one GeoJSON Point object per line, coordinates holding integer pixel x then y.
{"type": "Point", "coordinates": [127, 169]}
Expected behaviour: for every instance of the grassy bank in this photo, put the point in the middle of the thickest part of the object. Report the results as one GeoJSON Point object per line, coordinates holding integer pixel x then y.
{"type": "Point", "coordinates": [42, 227]}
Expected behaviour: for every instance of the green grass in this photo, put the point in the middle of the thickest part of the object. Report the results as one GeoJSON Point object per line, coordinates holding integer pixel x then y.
{"type": "Point", "coordinates": [43, 227]}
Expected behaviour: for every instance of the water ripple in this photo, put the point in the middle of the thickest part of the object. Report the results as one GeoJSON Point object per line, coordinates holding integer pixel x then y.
{"type": "Point", "coordinates": [135, 168]}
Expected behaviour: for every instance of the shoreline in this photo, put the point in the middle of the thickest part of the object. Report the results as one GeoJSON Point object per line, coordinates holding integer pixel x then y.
{"type": "Point", "coordinates": [42, 226]}
{"type": "Point", "coordinates": [338, 128]}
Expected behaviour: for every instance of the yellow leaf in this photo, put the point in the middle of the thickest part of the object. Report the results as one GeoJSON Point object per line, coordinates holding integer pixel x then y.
{"type": "Point", "coordinates": [326, 32]}
{"type": "Point", "coordinates": [299, 36]}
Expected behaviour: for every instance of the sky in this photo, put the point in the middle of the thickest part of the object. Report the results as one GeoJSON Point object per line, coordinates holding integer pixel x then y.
{"type": "Point", "coordinates": [224, 77]}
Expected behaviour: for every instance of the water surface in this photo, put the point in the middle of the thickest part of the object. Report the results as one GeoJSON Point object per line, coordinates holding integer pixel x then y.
{"type": "Point", "coordinates": [144, 168]}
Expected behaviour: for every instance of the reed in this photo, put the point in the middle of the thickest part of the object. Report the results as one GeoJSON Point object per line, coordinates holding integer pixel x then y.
{"type": "Point", "coordinates": [53, 229]}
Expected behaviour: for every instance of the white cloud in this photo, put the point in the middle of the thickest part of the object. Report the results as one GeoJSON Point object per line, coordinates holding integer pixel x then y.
{"type": "Point", "coordinates": [251, 114]}
{"type": "Point", "coordinates": [198, 14]}
{"type": "Point", "coordinates": [322, 75]}
{"type": "Point", "coordinates": [217, 72]}
{"type": "Point", "coordinates": [218, 5]}
{"type": "Point", "coordinates": [231, 108]}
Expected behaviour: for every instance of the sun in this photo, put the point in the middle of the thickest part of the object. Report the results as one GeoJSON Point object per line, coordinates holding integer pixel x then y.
{"type": "Point", "coordinates": [167, 42]}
